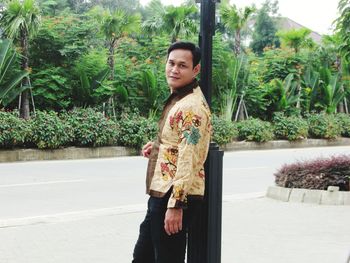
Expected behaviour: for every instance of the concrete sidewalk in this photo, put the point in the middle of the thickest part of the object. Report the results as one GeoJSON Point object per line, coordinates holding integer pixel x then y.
{"type": "Point", "coordinates": [255, 230]}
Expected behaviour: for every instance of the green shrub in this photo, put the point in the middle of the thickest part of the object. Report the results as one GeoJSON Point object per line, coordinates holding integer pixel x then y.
{"type": "Point", "coordinates": [323, 126]}
{"type": "Point", "coordinates": [224, 131]}
{"type": "Point", "coordinates": [316, 174]}
{"type": "Point", "coordinates": [49, 131]}
{"type": "Point", "coordinates": [290, 128]}
{"type": "Point", "coordinates": [135, 130]}
{"type": "Point", "coordinates": [255, 130]}
{"type": "Point", "coordinates": [91, 128]}
{"type": "Point", "coordinates": [344, 121]}
{"type": "Point", "coordinates": [13, 130]}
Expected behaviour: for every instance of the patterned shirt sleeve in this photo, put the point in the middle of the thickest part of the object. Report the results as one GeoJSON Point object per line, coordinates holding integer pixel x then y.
{"type": "Point", "coordinates": [191, 127]}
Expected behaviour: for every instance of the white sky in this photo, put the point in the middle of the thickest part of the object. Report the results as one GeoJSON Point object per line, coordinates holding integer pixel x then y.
{"type": "Point", "coordinates": [317, 15]}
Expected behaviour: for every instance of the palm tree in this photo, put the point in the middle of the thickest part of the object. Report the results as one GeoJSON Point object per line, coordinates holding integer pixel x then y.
{"type": "Point", "coordinates": [235, 20]}
{"type": "Point", "coordinates": [115, 26]}
{"type": "Point", "coordinates": [8, 81]}
{"type": "Point", "coordinates": [174, 21]}
{"type": "Point", "coordinates": [20, 20]}
{"type": "Point", "coordinates": [295, 38]}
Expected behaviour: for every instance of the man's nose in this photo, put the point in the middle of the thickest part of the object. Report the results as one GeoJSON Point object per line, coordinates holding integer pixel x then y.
{"type": "Point", "coordinates": [175, 69]}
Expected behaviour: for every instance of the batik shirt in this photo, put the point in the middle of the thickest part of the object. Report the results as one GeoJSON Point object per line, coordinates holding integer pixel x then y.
{"type": "Point", "coordinates": [180, 150]}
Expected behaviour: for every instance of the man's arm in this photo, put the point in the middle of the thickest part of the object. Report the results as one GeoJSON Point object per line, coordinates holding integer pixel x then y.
{"type": "Point", "coordinates": [194, 137]}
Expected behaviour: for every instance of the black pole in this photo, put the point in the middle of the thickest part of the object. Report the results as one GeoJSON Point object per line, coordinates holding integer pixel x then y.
{"type": "Point", "coordinates": [204, 237]}
{"type": "Point", "coordinates": [207, 31]}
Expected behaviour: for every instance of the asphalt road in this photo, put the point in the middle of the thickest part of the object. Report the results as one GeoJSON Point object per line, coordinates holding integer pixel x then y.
{"type": "Point", "coordinates": [29, 189]}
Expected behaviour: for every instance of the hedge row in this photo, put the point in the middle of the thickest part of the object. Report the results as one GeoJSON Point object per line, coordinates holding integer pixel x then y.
{"type": "Point", "coordinates": [319, 126]}
{"type": "Point", "coordinates": [80, 127]}
{"type": "Point", "coordinates": [90, 128]}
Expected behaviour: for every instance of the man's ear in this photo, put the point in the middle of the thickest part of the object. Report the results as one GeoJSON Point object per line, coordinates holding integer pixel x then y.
{"type": "Point", "coordinates": [197, 69]}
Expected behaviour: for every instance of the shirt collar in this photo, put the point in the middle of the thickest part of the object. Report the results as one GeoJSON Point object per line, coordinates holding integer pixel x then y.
{"type": "Point", "coordinates": [187, 89]}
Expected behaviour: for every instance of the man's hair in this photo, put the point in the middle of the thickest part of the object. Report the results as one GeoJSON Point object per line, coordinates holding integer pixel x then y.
{"type": "Point", "coordinates": [196, 52]}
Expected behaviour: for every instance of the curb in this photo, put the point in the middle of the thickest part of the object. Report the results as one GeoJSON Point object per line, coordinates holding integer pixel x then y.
{"type": "Point", "coordinates": [280, 144]}
{"type": "Point", "coordinates": [330, 197]}
{"type": "Point", "coordinates": [70, 153]}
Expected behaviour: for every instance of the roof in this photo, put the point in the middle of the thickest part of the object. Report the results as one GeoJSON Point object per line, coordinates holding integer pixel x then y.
{"type": "Point", "coordinates": [285, 23]}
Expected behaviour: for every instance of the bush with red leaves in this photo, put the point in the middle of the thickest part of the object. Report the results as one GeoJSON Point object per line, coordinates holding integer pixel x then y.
{"type": "Point", "coordinates": [316, 174]}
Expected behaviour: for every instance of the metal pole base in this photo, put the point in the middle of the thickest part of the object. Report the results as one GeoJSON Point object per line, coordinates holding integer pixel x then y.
{"type": "Point", "coordinates": [204, 236]}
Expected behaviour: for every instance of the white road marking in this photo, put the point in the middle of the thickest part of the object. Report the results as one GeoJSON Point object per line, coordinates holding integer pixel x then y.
{"type": "Point", "coordinates": [42, 183]}
{"type": "Point", "coordinates": [248, 168]}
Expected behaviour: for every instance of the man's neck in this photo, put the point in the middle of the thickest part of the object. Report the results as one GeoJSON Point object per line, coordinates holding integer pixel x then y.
{"type": "Point", "coordinates": [184, 88]}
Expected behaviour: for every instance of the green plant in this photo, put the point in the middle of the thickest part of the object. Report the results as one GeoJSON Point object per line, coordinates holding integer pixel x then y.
{"type": "Point", "coordinates": [224, 131]}
{"type": "Point", "coordinates": [50, 89]}
{"type": "Point", "coordinates": [49, 131]}
{"type": "Point", "coordinates": [13, 130]}
{"type": "Point", "coordinates": [331, 90]}
{"type": "Point", "coordinates": [290, 128]}
{"type": "Point", "coordinates": [135, 130]}
{"type": "Point", "coordinates": [344, 121]}
{"type": "Point", "coordinates": [90, 128]}
{"type": "Point", "coordinates": [282, 95]}
{"type": "Point", "coordinates": [255, 130]}
{"type": "Point", "coordinates": [323, 126]}
{"type": "Point", "coordinates": [9, 81]}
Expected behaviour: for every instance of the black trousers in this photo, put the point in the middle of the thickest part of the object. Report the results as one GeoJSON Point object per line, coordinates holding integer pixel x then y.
{"type": "Point", "coordinates": [153, 244]}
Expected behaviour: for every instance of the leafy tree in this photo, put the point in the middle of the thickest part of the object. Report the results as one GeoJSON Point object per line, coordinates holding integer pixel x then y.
{"type": "Point", "coordinates": [174, 21]}
{"type": "Point", "coordinates": [56, 49]}
{"type": "Point", "coordinates": [63, 39]}
{"type": "Point", "coordinates": [265, 29]}
{"type": "Point", "coordinates": [20, 20]}
{"type": "Point", "coordinates": [235, 20]}
{"type": "Point", "coordinates": [295, 38]}
{"type": "Point", "coordinates": [343, 27]}
{"type": "Point", "coordinates": [53, 7]}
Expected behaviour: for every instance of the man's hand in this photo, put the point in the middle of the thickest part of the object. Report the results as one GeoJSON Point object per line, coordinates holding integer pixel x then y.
{"type": "Point", "coordinates": [173, 220]}
{"type": "Point", "coordinates": [146, 149]}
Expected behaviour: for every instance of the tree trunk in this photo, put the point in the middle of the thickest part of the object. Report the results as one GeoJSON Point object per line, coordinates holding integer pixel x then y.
{"type": "Point", "coordinates": [341, 106]}
{"type": "Point", "coordinates": [25, 111]}
{"type": "Point", "coordinates": [237, 42]}
{"type": "Point", "coordinates": [173, 39]}
{"type": "Point", "coordinates": [110, 60]}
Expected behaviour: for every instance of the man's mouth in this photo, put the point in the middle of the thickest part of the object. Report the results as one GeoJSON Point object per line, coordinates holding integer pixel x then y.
{"type": "Point", "coordinates": [172, 77]}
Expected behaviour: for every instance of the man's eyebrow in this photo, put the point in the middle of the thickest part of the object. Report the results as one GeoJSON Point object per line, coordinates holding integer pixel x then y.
{"type": "Point", "coordinates": [179, 62]}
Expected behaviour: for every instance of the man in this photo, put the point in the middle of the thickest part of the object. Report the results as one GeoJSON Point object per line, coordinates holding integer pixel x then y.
{"type": "Point", "coordinates": [175, 173]}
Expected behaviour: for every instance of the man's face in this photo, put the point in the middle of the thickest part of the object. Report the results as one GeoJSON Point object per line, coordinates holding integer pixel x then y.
{"type": "Point", "coordinates": [179, 69]}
